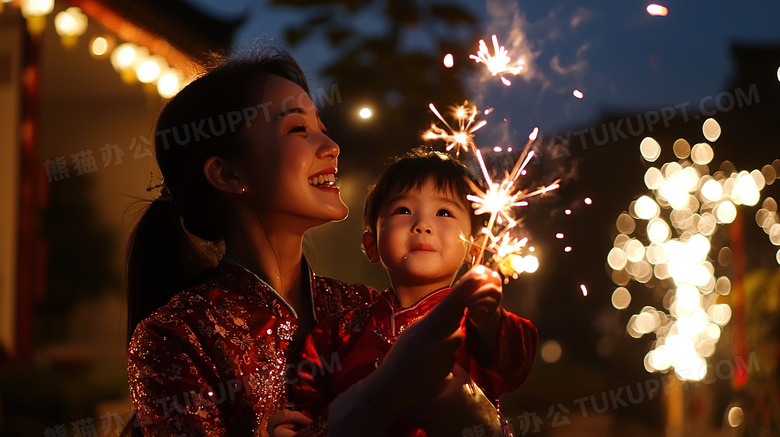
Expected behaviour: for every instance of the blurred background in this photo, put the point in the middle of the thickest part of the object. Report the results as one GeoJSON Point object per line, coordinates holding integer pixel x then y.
{"type": "Point", "coordinates": [654, 278]}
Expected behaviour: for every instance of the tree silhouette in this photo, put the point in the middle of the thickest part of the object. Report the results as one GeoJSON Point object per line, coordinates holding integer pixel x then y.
{"type": "Point", "coordinates": [383, 69]}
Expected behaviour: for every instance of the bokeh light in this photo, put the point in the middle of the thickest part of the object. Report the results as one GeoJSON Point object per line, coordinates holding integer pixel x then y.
{"type": "Point", "coordinates": [650, 149]}
{"type": "Point", "coordinates": [725, 212]}
{"type": "Point", "coordinates": [682, 149]}
{"type": "Point", "coordinates": [578, 94]}
{"type": "Point", "coordinates": [365, 113]}
{"type": "Point", "coordinates": [71, 22]}
{"type": "Point", "coordinates": [736, 416]}
{"type": "Point", "coordinates": [646, 208]}
{"type": "Point", "coordinates": [621, 298]}
{"type": "Point", "coordinates": [671, 254]}
{"type": "Point", "coordinates": [99, 46]}
{"type": "Point", "coordinates": [653, 178]}
{"type": "Point", "coordinates": [123, 56]}
{"type": "Point", "coordinates": [702, 154]}
{"type": "Point", "coordinates": [150, 69]}
{"type": "Point", "coordinates": [550, 351]}
{"type": "Point", "coordinates": [530, 263]}
{"type": "Point", "coordinates": [617, 259]}
{"type": "Point", "coordinates": [170, 83]}
{"type": "Point", "coordinates": [711, 129]}
{"type": "Point", "coordinates": [712, 190]}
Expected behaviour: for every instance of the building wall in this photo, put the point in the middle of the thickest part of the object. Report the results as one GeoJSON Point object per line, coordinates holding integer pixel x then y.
{"type": "Point", "coordinates": [10, 60]}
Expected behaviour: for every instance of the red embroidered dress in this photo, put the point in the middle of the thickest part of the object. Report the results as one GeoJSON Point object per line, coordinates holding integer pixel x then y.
{"type": "Point", "coordinates": [345, 348]}
{"type": "Point", "coordinates": [213, 360]}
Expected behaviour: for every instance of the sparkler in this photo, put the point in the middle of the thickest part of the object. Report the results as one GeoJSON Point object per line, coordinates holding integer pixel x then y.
{"type": "Point", "coordinates": [463, 137]}
{"type": "Point", "coordinates": [499, 63]}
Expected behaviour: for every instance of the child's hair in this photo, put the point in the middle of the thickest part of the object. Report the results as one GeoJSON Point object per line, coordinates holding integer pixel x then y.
{"type": "Point", "coordinates": [411, 170]}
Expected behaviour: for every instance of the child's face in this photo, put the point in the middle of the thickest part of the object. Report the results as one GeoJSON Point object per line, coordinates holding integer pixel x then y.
{"type": "Point", "coordinates": [418, 235]}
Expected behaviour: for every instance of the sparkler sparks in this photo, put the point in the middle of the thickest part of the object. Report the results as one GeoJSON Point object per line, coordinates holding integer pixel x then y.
{"type": "Point", "coordinates": [463, 136]}
{"type": "Point", "coordinates": [499, 63]}
{"type": "Point", "coordinates": [449, 62]}
{"type": "Point", "coordinates": [498, 200]}
{"type": "Point", "coordinates": [657, 10]}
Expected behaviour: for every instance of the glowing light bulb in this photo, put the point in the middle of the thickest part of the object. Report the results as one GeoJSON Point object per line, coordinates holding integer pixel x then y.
{"type": "Point", "coordinates": [124, 56]}
{"type": "Point", "coordinates": [150, 69]}
{"type": "Point", "coordinates": [170, 83]}
{"type": "Point", "coordinates": [70, 23]}
{"type": "Point", "coordinates": [99, 46]}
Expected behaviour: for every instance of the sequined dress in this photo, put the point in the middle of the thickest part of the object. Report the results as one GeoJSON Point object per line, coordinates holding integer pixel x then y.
{"type": "Point", "coordinates": [214, 360]}
{"type": "Point", "coordinates": [345, 348]}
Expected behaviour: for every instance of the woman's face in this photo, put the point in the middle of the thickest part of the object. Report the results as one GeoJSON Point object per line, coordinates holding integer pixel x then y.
{"type": "Point", "coordinates": [293, 163]}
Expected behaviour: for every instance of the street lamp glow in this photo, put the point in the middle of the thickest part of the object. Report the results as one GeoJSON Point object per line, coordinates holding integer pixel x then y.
{"type": "Point", "coordinates": [365, 113]}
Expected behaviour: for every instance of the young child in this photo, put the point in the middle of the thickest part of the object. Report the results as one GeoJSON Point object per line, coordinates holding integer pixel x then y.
{"type": "Point", "coordinates": [415, 218]}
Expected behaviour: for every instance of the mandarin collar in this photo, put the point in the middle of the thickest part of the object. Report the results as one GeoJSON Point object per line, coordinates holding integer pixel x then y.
{"type": "Point", "coordinates": [304, 268]}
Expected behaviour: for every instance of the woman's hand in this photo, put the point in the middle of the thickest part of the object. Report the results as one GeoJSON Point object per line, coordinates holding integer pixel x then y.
{"type": "Point", "coordinates": [286, 423]}
{"type": "Point", "coordinates": [425, 354]}
{"type": "Point", "coordinates": [460, 404]}
{"type": "Point", "coordinates": [415, 368]}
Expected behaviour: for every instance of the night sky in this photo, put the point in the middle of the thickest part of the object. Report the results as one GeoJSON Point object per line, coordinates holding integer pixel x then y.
{"type": "Point", "coordinates": [618, 55]}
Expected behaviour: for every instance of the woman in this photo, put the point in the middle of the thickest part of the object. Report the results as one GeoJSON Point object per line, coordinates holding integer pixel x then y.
{"type": "Point", "coordinates": [246, 161]}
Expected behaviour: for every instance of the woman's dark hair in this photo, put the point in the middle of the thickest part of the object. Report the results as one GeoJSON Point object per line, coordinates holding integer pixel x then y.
{"type": "Point", "coordinates": [412, 170]}
{"type": "Point", "coordinates": [207, 118]}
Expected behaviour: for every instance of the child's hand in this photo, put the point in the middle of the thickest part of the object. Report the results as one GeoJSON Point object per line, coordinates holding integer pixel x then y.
{"type": "Point", "coordinates": [484, 303]}
{"type": "Point", "coordinates": [286, 423]}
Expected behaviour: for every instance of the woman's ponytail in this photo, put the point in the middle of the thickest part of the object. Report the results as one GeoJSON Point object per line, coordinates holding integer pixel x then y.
{"type": "Point", "coordinates": [162, 259]}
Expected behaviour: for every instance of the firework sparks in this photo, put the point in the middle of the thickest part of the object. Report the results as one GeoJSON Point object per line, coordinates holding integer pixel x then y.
{"type": "Point", "coordinates": [449, 62]}
{"type": "Point", "coordinates": [463, 136]}
{"type": "Point", "coordinates": [498, 200]}
{"type": "Point", "coordinates": [499, 62]}
{"type": "Point", "coordinates": [657, 10]}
